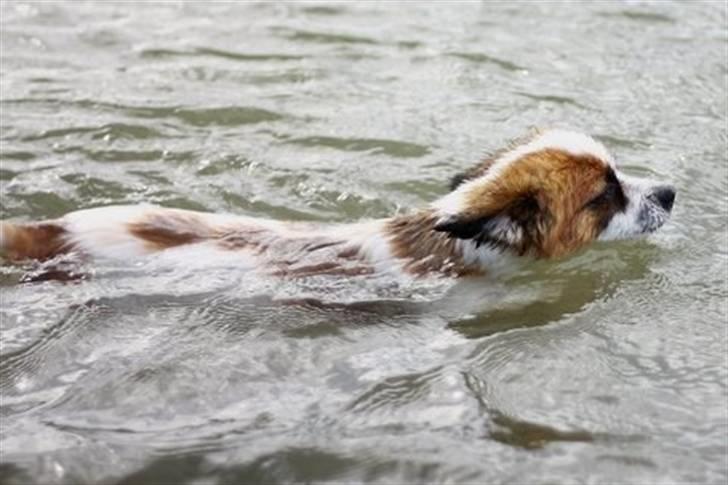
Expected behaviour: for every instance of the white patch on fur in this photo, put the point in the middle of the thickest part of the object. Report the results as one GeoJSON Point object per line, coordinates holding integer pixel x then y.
{"type": "Point", "coordinates": [503, 228]}
{"type": "Point", "coordinates": [7, 231]}
{"type": "Point", "coordinates": [376, 248]}
{"type": "Point", "coordinates": [369, 237]}
{"type": "Point", "coordinates": [569, 141]}
{"type": "Point", "coordinates": [488, 259]}
{"type": "Point", "coordinates": [204, 255]}
{"type": "Point", "coordinates": [452, 203]}
{"type": "Point", "coordinates": [101, 232]}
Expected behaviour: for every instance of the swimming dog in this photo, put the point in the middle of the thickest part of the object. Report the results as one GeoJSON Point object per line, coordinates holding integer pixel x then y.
{"type": "Point", "coordinates": [545, 196]}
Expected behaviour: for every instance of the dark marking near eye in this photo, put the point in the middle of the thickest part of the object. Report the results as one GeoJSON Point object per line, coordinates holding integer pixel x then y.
{"type": "Point", "coordinates": [609, 201]}
{"type": "Point", "coordinates": [612, 196]}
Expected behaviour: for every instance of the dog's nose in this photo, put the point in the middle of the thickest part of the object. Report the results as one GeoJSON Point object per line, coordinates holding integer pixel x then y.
{"type": "Point", "coordinates": [665, 195]}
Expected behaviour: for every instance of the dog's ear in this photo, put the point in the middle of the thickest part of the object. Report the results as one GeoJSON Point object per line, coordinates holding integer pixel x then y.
{"type": "Point", "coordinates": [515, 226]}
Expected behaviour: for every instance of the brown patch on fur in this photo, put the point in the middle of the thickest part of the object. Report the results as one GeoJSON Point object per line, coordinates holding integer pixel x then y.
{"type": "Point", "coordinates": [297, 256]}
{"type": "Point", "coordinates": [424, 250]}
{"type": "Point", "coordinates": [168, 229]}
{"type": "Point", "coordinates": [560, 184]}
{"type": "Point", "coordinates": [39, 241]}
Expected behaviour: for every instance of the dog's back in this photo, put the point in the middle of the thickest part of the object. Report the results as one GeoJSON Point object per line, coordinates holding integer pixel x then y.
{"type": "Point", "coordinates": [130, 232]}
{"type": "Point", "coordinates": [545, 197]}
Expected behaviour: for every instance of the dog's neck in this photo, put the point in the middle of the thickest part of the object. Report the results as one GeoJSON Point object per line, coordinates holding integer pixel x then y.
{"type": "Point", "coordinates": [413, 240]}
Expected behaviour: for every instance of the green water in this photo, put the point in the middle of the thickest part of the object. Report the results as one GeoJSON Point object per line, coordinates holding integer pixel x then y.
{"type": "Point", "coordinates": [609, 367]}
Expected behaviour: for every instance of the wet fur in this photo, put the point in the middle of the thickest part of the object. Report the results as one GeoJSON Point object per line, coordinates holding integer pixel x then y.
{"type": "Point", "coordinates": [543, 195]}
{"type": "Point", "coordinates": [546, 195]}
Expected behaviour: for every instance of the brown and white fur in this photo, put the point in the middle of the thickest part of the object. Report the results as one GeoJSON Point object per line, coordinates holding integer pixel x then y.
{"type": "Point", "coordinates": [545, 196]}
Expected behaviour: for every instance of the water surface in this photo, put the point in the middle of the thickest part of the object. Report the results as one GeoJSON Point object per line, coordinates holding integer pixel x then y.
{"type": "Point", "coordinates": [609, 367]}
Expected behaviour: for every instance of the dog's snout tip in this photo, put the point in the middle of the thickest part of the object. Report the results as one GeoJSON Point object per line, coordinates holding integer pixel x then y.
{"type": "Point", "coordinates": [665, 196]}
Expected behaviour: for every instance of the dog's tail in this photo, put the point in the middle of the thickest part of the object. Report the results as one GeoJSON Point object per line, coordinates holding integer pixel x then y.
{"type": "Point", "coordinates": [116, 232]}
{"type": "Point", "coordinates": [40, 241]}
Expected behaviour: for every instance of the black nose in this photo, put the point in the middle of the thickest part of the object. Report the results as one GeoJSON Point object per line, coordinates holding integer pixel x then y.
{"type": "Point", "coordinates": [665, 196]}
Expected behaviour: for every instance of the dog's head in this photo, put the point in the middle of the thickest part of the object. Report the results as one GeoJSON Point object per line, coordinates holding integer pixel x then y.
{"type": "Point", "coordinates": [549, 195]}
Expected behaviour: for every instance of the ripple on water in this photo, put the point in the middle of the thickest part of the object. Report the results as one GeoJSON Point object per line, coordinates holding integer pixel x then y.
{"type": "Point", "coordinates": [222, 116]}
{"type": "Point", "coordinates": [42, 205]}
{"type": "Point", "coordinates": [212, 116]}
{"type": "Point", "coordinates": [394, 392]}
{"type": "Point", "coordinates": [551, 98]}
{"type": "Point", "coordinates": [17, 366]}
{"type": "Point", "coordinates": [7, 175]}
{"type": "Point", "coordinates": [17, 155]}
{"type": "Point", "coordinates": [95, 189]}
{"type": "Point", "coordinates": [640, 16]}
{"type": "Point", "coordinates": [226, 116]}
{"type": "Point", "coordinates": [480, 58]}
{"type": "Point", "coordinates": [107, 132]}
{"type": "Point", "coordinates": [217, 53]}
{"type": "Point", "coordinates": [499, 378]}
{"type": "Point", "coordinates": [393, 148]}
{"type": "Point", "coordinates": [322, 37]}
{"type": "Point", "coordinates": [324, 10]}
{"type": "Point", "coordinates": [118, 155]}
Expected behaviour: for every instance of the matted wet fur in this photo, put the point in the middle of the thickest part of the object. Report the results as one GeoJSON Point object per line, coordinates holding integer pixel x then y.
{"type": "Point", "coordinates": [546, 195]}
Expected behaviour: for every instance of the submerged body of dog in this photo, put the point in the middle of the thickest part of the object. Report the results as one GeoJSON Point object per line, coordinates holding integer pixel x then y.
{"type": "Point", "coordinates": [544, 197]}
